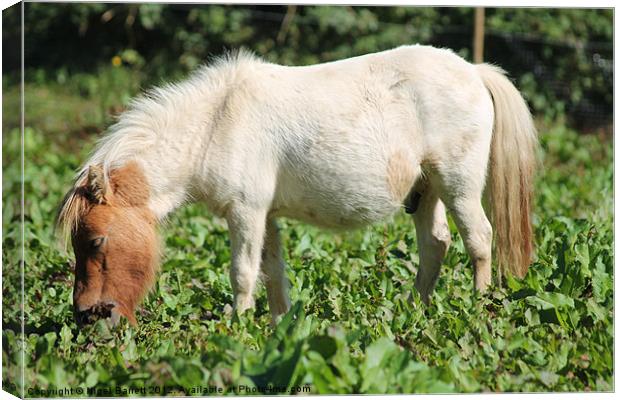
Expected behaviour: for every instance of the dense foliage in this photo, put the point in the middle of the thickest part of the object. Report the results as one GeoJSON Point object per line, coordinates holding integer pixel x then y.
{"type": "Point", "coordinates": [561, 58]}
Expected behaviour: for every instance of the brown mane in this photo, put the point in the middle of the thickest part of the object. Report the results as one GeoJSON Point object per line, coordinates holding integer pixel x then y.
{"type": "Point", "coordinates": [73, 207]}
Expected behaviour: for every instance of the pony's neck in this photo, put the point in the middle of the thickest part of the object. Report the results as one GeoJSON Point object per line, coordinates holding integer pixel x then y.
{"type": "Point", "coordinates": [167, 133]}
{"type": "Point", "coordinates": [174, 161]}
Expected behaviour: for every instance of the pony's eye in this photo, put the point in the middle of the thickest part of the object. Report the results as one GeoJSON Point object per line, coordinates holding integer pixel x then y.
{"type": "Point", "coordinates": [97, 242]}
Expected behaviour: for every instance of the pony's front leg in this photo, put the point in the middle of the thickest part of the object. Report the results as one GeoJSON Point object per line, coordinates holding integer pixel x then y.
{"type": "Point", "coordinates": [247, 229]}
{"type": "Point", "coordinates": [434, 239]}
{"type": "Point", "coordinates": [273, 266]}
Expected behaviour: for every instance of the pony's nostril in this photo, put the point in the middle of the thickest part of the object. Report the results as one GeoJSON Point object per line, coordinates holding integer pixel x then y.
{"type": "Point", "coordinates": [82, 317]}
{"type": "Point", "coordinates": [102, 310]}
{"type": "Point", "coordinates": [94, 313]}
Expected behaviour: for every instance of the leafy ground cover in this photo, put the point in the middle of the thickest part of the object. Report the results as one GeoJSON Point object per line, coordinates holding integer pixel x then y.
{"type": "Point", "coordinates": [357, 324]}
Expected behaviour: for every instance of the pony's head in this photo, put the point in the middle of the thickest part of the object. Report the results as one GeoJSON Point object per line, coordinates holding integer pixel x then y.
{"type": "Point", "coordinates": [114, 239]}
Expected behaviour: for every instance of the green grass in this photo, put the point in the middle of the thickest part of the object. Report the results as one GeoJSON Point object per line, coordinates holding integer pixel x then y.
{"type": "Point", "coordinates": [357, 324]}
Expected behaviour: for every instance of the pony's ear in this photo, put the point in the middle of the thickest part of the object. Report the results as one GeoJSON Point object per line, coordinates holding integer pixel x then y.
{"type": "Point", "coordinates": [129, 185]}
{"type": "Point", "coordinates": [96, 184]}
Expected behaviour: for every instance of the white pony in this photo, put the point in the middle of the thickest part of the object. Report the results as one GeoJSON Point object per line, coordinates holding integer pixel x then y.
{"type": "Point", "coordinates": [340, 145]}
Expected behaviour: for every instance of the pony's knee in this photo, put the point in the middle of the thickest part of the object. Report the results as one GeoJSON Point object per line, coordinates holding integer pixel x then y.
{"type": "Point", "coordinates": [242, 282]}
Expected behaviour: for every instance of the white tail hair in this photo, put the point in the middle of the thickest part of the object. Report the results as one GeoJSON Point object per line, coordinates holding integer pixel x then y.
{"type": "Point", "coordinates": [511, 172]}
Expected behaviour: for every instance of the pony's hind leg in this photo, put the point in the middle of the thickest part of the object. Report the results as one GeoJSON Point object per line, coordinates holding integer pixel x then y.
{"type": "Point", "coordinates": [463, 197]}
{"type": "Point", "coordinates": [477, 234]}
{"type": "Point", "coordinates": [433, 241]}
{"type": "Point", "coordinates": [247, 229]}
{"type": "Point", "coordinates": [273, 269]}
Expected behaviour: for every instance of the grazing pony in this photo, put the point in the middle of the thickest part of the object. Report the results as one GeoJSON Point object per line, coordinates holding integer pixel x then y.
{"type": "Point", "coordinates": [339, 145]}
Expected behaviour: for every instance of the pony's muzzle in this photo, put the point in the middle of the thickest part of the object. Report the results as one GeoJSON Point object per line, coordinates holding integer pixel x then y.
{"type": "Point", "coordinates": [104, 310]}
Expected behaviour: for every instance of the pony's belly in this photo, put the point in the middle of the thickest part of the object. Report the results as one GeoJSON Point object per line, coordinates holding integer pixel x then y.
{"type": "Point", "coordinates": [350, 207]}
{"type": "Point", "coordinates": [331, 218]}
{"type": "Point", "coordinates": [346, 185]}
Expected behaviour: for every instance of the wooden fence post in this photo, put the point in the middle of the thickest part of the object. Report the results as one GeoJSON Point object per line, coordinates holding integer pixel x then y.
{"type": "Point", "coordinates": [478, 35]}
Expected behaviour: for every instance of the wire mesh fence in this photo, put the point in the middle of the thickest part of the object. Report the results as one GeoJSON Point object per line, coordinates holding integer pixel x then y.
{"type": "Point", "coordinates": [569, 74]}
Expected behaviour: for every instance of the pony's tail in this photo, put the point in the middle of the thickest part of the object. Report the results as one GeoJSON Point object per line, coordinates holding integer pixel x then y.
{"type": "Point", "coordinates": [511, 173]}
